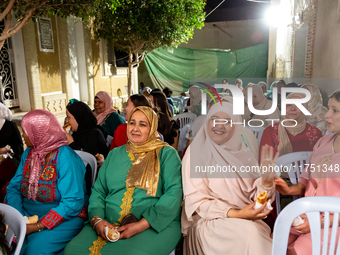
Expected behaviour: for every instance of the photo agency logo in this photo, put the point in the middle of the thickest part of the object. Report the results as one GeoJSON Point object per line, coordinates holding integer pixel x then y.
{"type": "Point", "coordinates": [239, 103]}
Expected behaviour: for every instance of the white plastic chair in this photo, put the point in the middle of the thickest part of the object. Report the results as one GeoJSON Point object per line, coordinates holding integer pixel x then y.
{"type": "Point", "coordinates": [258, 131]}
{"type": "Point", "coordinates": [16, 226]}
{"type": "Point", "coordinates": [91, 160]}
{"type": "Point", "coordinates": [184, 118]}
{"type": "Point", "coordinates": [311, 206]}
{"type": "Point", "coordinates": [178, 102]}
{"type": "Point", "coordinates": [109, 141]}
{"type": "Point", "coordinates": [292, 163]}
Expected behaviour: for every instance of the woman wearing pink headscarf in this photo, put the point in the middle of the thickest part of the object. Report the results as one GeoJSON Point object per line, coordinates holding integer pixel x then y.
{"type": "Point", "coordinates": [218, 215]}
{"type": "Point", "coordinates": [49, 183]}
{"type": "Point", "coordinates": [106, 115]}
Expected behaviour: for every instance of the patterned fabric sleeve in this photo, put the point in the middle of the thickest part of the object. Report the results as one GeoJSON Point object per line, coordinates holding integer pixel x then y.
{"type": "Point", "coordinates": [71, 185]}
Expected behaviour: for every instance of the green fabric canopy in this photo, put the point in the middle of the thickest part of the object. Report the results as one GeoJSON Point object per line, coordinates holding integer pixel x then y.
{"type": "Point", "coordinates": [177, 68]}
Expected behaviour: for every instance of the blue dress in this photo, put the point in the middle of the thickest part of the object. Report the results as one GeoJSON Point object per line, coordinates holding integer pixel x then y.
{"type": "Point", "coordinates": [61, 202]}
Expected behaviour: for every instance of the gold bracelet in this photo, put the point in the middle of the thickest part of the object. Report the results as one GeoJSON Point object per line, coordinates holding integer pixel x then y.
{"type": "Point", "coordinates": [94, 225]}
{"type": "Point", "coordinates": [94, 218]}
{"type": "Point", "coordinates": [40, 229]}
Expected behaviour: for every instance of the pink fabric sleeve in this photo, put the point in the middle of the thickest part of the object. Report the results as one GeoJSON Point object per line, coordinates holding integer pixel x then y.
{"type": "Point", "coordinates": [304, 177]}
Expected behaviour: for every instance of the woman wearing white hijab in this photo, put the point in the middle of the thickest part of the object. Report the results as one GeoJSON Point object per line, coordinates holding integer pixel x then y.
{"type": "Point", "coordinates": [9, 135]}
{"type": "Point", "coordinates": [218, 215]}
{"type": "Point", "coordinates": [195, 94]}
{"type": "Point", "coordinates": [248, 137]}
{"type": "Point", "coordinates": [260, 102]}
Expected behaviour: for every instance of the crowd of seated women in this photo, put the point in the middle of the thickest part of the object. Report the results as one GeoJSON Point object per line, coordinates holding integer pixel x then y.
{"type": "Point", "coordinates": [143, 190]}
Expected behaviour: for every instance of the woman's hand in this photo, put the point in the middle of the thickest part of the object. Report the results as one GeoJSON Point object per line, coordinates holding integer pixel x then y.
{"type": "Point", "coordinates": [129, 230]}
{"type": "Point", "coordinates": [32, 228]}
{"type": "Point", "coordinates": [304, 227]}
{"type": "Point", "coordinates": [282, 186]}
{"type": "Point", "coordinates": [99, 228]}
{"type": "Point", "coordinates": [248, 213]}
{"type": "Point", "coordinates": [268, 158]}
{"type": "Point", "coordinates": [69, 138]}
{"type": "Point", "coordinates": [3, 151]}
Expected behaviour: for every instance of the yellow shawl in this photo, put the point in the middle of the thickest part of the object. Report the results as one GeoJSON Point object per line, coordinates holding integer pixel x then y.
{"type": "Point", "coordinates": [144, 172]}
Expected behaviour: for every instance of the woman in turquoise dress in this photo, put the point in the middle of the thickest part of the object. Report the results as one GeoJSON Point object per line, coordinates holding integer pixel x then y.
{"type": "Point", "coordinates": [142, 178]}
{"type": "Point", "coordinates": [49, 183]}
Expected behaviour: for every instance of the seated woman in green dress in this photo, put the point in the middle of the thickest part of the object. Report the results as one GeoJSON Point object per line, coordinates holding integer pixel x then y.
{"type": "Point", "coordinates": [142, 178]}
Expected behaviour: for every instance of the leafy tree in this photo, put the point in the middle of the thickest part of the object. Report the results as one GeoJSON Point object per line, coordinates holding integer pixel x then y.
{"type": "Point", "coordinates": [24, 10]}
{"type": "Point", "coordinates": [140, 26]}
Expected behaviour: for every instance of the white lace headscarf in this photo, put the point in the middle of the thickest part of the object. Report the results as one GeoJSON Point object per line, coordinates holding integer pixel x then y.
{"type": "Point", "coordinates": [5, 114]}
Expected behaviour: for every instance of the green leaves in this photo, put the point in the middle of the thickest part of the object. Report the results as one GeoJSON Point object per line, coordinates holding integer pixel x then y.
{"type": "Point", "coordinates": [144, 25]}
{"type": "Point", "coordinates": [62, 8]}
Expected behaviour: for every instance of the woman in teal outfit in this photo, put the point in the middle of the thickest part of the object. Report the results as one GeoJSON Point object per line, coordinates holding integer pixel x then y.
{"type": "Point", "coordinates": [142, 178]}
{"type": "Point", "coordinates": [49, 183]}
{"type": "Point", "coordinates": [106, 114]}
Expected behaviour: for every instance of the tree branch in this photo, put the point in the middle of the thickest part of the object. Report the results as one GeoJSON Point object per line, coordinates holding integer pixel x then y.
{"type": "Point", "coordinates": [4, 36]}
{"type": "Point", "coordinates": [7, 10]}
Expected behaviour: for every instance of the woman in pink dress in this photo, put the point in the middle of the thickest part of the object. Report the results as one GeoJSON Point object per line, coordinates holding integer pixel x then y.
{"type": "Point", "coordinates": [218, 215]}
{"type": "Point", "coordinates": [314, 180]}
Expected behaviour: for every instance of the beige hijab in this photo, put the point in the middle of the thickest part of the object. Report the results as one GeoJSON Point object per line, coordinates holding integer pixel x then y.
{"type": "Point", "coordinates": [285, 145]}
{"type": "Point", "coordinates": [145, 169]}
{"type": "Point", "coordinates": [247, 134]}
{"type": "Point", "coordinates": [264, 104]}
{"type": "Point", "coordinates": [233, 189]}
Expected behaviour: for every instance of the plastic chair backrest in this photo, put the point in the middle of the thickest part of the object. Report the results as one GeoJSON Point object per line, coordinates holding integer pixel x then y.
{"type": "Point", "coordinates": [258, 131]}
{"type": "Point", "coordinates": [109, 141]}
{"type": "Point", "coordinates": [185, 102]}
{"type": "Point", "coordinates": [172, 110]}
{"type": "Point", "coordinates": [184, 118]}
{"type": "Point", "coordinates": [311, 206]}
{"type": "Point", "coordinates": [288, 164]}
{"type": "Point", "coordinates": [88, 158]}
{"type": "Point", "coordinates": [294, 163]}
{"type": "Point", "coordinates": [178, 103]}
{"type": "Point", "coordinates": [16, 226]}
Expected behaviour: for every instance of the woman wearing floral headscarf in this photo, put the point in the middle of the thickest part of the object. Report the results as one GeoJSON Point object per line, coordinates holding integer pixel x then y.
{"type": "Point", "coordinates": [142, 178]}
{"type": "Point", "coordinates": [9, 135]}
{"type": "Point", "coordinates": [316, 108]}
{"type": "Point", "coordinates": [49, 183]}
{"type": "Point", "coordinates": [106, 114]}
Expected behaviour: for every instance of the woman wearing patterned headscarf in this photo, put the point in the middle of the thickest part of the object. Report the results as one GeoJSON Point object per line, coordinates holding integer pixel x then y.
{"type": "Point", "coordinates": [49, 183]}
{"type": "Point", "coordinates": [10, 137]}
{"type": "Point", "coordinates": [316, 108]}
{"type": "Point", "coordinates": [142, 178]}
{"type": "Point", "coordinates": [260, 102]}
{"type": "Point", "coordinates": [106, 114]}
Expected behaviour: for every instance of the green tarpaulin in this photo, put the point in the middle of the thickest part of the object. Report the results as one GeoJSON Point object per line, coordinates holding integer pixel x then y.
{"type": "Point", "coordinates": [176, 68]}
